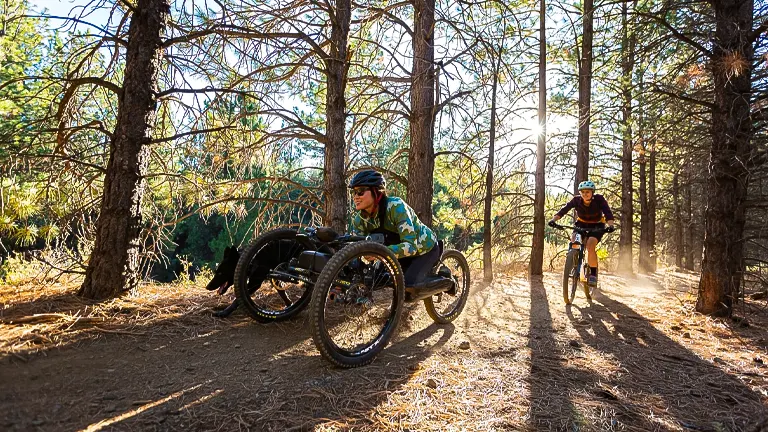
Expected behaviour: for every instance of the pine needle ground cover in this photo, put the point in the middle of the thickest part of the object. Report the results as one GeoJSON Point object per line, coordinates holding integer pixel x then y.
{"type": "Point", "coordinates": [638, 358]}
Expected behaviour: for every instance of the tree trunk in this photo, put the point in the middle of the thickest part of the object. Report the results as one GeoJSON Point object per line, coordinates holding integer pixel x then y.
{"type": "Point", "coordinates": [336, 105]}
{"type": "Point", "coordinates": [651, 237]}
{"type": "Point", "coordinates": [421, 159]}
{"type": "Point", "coordinates": [690, 246]}
{"type": "Point", "coordinates": [643, 192]}
{"type": "Point", "coordinates": [487, 224]}
{"type": "Point", "coordinates": [627, 210]}
{"type": "Point", "coordinates": [537, 252]}
{"type": "Point", "coordinates": [585, 95]}
{"type": "Point", "coordinates": [728, 178]}
{"type": "Point", "coordinates": [678, 215]}
{"type": "Point", "coordinates": [114, 262]}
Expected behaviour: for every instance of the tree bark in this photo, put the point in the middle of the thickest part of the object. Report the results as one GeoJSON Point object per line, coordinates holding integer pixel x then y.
{"type": "Point", "coordinates": [678, 215]}
{"type": "Point", "coordinates": [337, 67]}
{"type": "Point", "coordinates": [585, 95]}
{"type": "Point", "coordinates": [537, 252]}
{"type": "Point", "coordinates": [727, 182]}
{"type": "Point", "coordinates": [421, 158]}
{"type": "Point", "coordinates": [690, 246]}
{"type": "Point", "coordinates": [651, 237]}
{"type": "Point", "coordinates": [114, 262]}
{"type": "Point", "coordinates": [643, 192]}
{"type": "Point", "coordinates": [627, 210]}
{"type": "Point", "coordinates": [487, 224]}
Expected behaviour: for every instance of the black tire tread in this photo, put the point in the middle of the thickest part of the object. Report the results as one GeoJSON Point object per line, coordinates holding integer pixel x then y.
{"type": "Point", "coordinates": [429, 303]}
{"type": "Point", "coordinates": [570, 258]}
{"type": "Point", "coordinates": [241, 275]}
{"type": "Point", "coordinates": [318, 304]}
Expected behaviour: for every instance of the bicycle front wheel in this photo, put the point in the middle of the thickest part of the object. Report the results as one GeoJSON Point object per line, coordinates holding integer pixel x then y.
{"type": "Point", "coordinates": [570, 276]}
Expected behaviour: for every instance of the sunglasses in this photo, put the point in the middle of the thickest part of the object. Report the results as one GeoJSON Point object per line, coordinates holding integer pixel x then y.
{"type": "Point", "coordinates": [359, 192]}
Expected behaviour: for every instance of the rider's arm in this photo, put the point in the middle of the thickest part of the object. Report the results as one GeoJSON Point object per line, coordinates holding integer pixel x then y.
{"type": "Point", "coordinates": [606, 210]}
{"type": "Point", "coordinates": [415, 238]}
{"type": "Point", "coordinates": [571, 204]}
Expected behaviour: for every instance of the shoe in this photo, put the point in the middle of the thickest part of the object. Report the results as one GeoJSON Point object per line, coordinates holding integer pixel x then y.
{"type": "Point", "coordinates": [592, 281]}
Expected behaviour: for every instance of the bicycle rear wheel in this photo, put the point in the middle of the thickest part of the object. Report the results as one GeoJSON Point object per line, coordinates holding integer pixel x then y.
{"type": "Point", "coordinates": [588, 290]}
{"type": "Point", "coordinates": [570, 276]}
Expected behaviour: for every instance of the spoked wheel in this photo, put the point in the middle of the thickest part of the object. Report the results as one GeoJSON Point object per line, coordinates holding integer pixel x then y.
{"type": "Point", "coordinates": [445, 307]}
{"type": "Point", "coordinates": [267, 298]}
{"type": "Point", "coordinates": [356, 304]}
{"type": "Point", "coordinates": [570, 276]}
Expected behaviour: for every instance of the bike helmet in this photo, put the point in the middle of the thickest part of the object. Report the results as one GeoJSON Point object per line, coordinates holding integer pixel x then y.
{"type": "Point", "coordinates": [587, 184]}
{"type": "Point", "coordinates": [369, 178]}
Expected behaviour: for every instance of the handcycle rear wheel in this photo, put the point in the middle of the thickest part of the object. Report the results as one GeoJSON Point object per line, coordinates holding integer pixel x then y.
{"type": "Point", "coordinates": [267, 299]}
{"type": "Point", "coordinates": [356, 305]}
{"type": "Point", "coordinates": [444, 308]}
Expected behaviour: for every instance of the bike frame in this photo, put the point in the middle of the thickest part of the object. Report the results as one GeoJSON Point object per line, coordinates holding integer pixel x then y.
{"type": "Point", "coordinates": [577, 244]}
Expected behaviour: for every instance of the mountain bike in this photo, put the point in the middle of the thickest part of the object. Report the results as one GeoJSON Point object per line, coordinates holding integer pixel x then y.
{"type": "Point", "coordinates": [575, 270]}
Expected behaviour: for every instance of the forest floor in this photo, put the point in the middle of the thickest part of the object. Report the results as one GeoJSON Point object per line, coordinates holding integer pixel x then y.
{"type": "Point", "coordinates": [637, 358]}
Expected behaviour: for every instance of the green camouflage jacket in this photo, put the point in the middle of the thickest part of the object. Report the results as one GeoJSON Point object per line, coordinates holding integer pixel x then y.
{"type": "Point", "coordinates": [416, 238]}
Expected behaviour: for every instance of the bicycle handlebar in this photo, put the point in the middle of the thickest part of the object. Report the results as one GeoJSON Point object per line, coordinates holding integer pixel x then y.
{"type": "Point", "coordinates": [583, 230]}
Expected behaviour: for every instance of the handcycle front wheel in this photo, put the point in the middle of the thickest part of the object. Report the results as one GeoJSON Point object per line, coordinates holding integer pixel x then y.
{"type": "Point", "coordinates": [356, 304]}
{"type": "Point", "coordinates": [444, 308]}
{"type": "Point", "coordinates": [570, 276]}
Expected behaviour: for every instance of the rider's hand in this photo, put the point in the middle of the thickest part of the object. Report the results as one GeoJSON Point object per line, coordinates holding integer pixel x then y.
{"type": "Point", "coordinates": [552, 223]}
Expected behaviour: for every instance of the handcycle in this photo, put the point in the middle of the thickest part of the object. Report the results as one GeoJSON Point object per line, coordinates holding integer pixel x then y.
{"type": "Point", "coordinates": [575, 271]}
{"type": "Point", "coordinates": [353, 286]}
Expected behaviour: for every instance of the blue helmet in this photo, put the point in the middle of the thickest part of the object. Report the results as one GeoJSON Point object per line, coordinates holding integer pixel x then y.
{"type": "Point", "coordinates": [587, 184]}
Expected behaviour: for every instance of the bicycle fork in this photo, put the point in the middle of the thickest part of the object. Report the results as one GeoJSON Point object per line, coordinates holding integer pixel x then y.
{"type": "Point", "coordinates": [577, 245]}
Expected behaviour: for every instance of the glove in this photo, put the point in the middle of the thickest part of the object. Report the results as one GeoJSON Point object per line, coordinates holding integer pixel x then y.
{"type": "Point", "coordinates": [610, 229]}
{"type": "Point", "coordinates": [552, 223]}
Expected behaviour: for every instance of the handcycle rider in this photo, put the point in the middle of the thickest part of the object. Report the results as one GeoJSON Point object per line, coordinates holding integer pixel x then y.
{"type": "Point", "coordinates": [413, 243]}
{"type": "Point", "coordinates": [593, 213]}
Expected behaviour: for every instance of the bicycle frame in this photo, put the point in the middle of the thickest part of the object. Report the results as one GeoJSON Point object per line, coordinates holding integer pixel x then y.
{"type": "Point", "coordinates": [577, 244]}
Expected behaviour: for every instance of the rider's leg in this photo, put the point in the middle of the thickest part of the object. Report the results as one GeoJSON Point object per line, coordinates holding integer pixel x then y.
{"type": "Point", "coordinates": [419, 266]}
{"type": "Point", "coordinates": [592, 254]}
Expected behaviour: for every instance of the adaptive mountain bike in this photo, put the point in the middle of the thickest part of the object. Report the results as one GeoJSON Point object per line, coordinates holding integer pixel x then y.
{"type": "Point", "coordinates": [575, 271]}
{"type": "Point", "coordinates": [353, 284]}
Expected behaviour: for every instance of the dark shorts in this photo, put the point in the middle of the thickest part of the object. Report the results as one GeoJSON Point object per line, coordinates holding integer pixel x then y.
{"type": "Point", "coordinates": [598, 225]}
{"type": "Point", "coordinates": [416, 268]}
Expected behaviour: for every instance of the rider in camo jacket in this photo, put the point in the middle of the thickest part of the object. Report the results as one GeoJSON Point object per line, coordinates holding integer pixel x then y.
{"type": "Point", "coordinates": [412, 242]}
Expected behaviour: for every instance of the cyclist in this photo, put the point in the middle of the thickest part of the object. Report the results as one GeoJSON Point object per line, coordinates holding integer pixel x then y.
{"type": "Point", "coordinates": [592, 212]}
{"type": "Point", "coordinates": [412, 242]}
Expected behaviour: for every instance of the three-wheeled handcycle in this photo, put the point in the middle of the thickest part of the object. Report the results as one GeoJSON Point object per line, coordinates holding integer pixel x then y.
{"type": "Point", "coordinates": [353, 285]}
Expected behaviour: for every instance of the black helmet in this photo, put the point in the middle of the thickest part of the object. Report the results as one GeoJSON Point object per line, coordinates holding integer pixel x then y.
{"type": "Point", "coordinates": [370, 178]}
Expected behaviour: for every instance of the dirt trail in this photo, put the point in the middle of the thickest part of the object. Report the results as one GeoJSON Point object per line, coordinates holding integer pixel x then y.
{"type": "Point", "coordinates": [637, 358]}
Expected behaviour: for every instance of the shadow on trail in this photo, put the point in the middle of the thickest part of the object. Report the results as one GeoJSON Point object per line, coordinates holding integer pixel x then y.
{"type": "Point", "coordinates": [551, 381]}
{"type": "Point", "coordinates": [660, 381]}
{"type": "Point", "coordinates": [223, 375]}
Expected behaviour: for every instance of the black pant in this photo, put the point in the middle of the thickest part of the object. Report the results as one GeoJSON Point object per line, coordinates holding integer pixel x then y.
{"type": "Point", "coordinates": [416, 268]}
{"type": "Point", "coordinates": [594, 226]}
